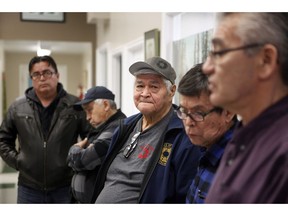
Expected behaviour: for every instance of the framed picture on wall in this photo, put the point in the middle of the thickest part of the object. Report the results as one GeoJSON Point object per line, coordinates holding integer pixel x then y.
{"type": "Point", "coordinates": [152, 43]}
{"type": "Point", "coordinates": [43, 16]}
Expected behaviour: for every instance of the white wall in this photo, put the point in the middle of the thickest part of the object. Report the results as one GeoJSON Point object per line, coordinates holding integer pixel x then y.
{"type": "Point", "coordinates": [123, 28]}
{"type": "Point", "coordinates": [120, 39]}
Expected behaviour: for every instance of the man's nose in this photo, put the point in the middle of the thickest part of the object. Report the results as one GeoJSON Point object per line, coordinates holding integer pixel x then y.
{"type": "Point", "coordinates": [146, 91]}
{"type": "Point", "coordinates": [88, 117]}
{"type": "Point", "coordinates": [208, 66]}
{"type": "Point", "coordinates": [189, 121]}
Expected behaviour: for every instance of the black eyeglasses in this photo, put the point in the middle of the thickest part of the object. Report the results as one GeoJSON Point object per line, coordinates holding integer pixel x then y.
{"type": "Point", "coordinates": [216, 54]}
{"type": "Point", "coordinates": [130, 147]}
{"type": "Point", "coordinates": [196, 116]}
{"type": "Point", "coordinates": [47, 74]}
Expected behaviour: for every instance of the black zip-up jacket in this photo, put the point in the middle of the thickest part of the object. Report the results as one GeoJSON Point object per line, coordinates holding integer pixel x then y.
{"type": "Point", "coordinates": [86, 162]}
{"type": "Point", "coordinates": [41, 161]}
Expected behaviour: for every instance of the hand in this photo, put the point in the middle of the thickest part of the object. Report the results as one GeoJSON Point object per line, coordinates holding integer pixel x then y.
{"type": "Point", "coordinates": [90, 145]}
{"type": "Point", "coordinates": [83, 143]}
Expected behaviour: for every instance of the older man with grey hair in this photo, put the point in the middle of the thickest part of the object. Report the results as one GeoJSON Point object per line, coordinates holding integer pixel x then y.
{"type": "Point", "coordinates": [150, 159]}
{"type": "Point", "coordinates": [85, 157]}
{"type": "Point", "coordinates": [247, 72]}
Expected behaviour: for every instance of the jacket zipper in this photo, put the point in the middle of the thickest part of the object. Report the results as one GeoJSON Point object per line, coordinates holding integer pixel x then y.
{"type": "Point", "coordinates": [44, 168]}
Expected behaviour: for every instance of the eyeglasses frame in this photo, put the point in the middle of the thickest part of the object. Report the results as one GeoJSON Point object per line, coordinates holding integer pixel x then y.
{"type": "Point", "coordinates": [47, 74]}
{"type": "Point", "coordinates": [179, 114]}
{"type": "Point", "coordinates": [215, 54]}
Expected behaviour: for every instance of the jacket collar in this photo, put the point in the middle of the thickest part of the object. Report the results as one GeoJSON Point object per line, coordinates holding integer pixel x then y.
{"type": "Point", "coordinates": [30, 93]}
{"type": "Point", "coordinates": [174, 122]}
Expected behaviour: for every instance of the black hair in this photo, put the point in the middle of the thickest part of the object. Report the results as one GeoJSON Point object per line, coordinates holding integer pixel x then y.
{"type": "Point", "coordinates": [194, 83]}
{"type": "Point", "coordinates": [48, 59]}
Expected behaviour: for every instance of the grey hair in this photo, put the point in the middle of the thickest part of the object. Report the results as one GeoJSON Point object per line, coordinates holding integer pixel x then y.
{"type": "Point", "coordinates": [111, 103]}
{"type": "Point", "coordinates": [168, 84]}
{"type": "Point", "coordinates": [264, 28]}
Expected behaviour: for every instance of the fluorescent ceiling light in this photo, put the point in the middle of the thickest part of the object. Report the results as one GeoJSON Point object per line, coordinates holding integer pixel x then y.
{"type": "Point", "coordinates": [42, 52]}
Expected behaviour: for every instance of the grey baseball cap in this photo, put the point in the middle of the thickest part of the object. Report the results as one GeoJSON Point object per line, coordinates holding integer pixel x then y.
{"type": "Point", "coordinates": [155, 65]}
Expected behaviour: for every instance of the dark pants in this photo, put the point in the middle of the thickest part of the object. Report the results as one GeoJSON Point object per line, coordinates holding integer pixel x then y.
{"type": "Point", "coordinates": [30, 195]}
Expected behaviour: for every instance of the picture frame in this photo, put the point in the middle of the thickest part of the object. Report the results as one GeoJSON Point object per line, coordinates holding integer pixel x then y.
{"type": "Point", "coordinates": [152, 43]}
{"type": "Point", "coordinates": [43, 16]}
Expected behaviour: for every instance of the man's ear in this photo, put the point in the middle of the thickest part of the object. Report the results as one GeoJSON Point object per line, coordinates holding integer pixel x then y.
{"type": "Point", "coordinates": [268, 61]}
{"type": "Point", "coordinates": [173, 90]}
{"type": "Point", "coordinates": [228, 115]}
{"type": "Point", "coordinates": [106, 105]}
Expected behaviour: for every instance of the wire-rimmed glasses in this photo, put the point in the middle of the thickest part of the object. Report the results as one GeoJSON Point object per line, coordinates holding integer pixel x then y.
{"type": "Point", "coordinates": [214, 55]}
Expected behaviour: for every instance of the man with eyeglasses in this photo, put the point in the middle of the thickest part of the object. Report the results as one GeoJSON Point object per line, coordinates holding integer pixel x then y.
{"type": "Point", "coordinates": [46, 125]}
{"type": "Point", "coordinates": [150, 159]}
{"type": "Point", "coordinates": [248, 75]}
{"type": "Point", "coordinates": [207, 126]}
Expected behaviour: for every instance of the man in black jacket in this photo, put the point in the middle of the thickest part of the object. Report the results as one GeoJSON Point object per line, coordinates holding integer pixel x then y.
{"type": "Point", "coordinates": [85, 157]}
{"type": "Point", "coordinates": [46, 125]}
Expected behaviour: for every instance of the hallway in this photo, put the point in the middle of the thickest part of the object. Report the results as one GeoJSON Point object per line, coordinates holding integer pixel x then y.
{"type": "Point", "coordinates": [8, 183]}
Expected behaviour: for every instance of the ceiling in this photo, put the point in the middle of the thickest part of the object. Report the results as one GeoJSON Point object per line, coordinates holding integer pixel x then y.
{"type": "Point", "coordinates": [62, 47]}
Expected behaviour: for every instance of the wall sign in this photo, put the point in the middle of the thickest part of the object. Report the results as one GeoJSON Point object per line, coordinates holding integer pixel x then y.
{"type": "Point", "coordinates": [152, 43]}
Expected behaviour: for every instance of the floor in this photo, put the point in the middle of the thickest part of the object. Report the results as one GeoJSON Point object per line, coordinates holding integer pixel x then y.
{"type": "Point", "coordinates": [8, 185]}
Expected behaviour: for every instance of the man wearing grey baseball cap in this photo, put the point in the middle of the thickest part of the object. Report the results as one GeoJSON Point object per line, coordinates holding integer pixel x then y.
{"type": "Point", "coordinates": [150, 159]}
{"type": "Point", "coordinates": [155, 65]}
{"type": "Point", "coordinates": [85, 157]}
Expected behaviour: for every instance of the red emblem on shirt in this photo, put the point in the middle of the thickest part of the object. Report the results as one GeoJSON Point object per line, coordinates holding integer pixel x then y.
{"type": "Point", "coordinates": [145, 151]}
